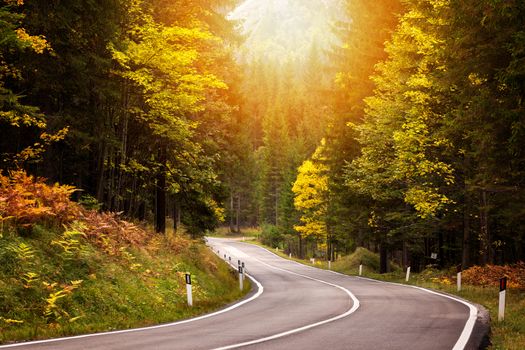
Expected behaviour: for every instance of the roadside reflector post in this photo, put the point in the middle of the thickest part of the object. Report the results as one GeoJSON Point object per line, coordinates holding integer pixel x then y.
{"type": "Point", "coordinates": [243, 270]}
{"type": "Point", "coordinates": [408, 274]}
{"type": "Point", "coordinates": [329, 265]}
{"type": "Point", "coordinates": [360, 268]}
{"type": "Point", "coordinates": [188, 290]}
{"type": "Point", "coordinates": [502, 292]}
{"type": "Point", "coordinates": [459, 277]}
{"type": "Point", "coordinates": [241, 287]}
{"type": "Point", "coordinates": [290, 255]}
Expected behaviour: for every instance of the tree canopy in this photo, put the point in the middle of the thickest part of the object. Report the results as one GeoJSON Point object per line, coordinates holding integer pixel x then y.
{"type": "Point", "coordinates": [394, 125]}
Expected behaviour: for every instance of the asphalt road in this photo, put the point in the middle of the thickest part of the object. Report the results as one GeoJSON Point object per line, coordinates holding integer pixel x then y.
{"type": "Point", "coordinates": [299, 307]}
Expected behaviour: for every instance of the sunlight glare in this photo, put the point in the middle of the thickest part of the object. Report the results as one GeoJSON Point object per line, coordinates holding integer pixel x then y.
{"type": "Point", "coordinates": [284, 29]}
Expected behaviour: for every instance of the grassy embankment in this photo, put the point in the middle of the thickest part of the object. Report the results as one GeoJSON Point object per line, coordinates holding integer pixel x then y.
{"type": "Point", "coordinates": [506, 335]}
{"type": "Point", "coordinates": [65, 270]}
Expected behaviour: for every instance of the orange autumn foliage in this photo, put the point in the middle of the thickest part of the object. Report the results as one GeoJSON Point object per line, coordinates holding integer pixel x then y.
{"type": "Point", "coordinates": [27, 200]}
{"type": "Point", "coordinates": [110, 232]}
{"type": "Point", "coordinates": [489, 275]}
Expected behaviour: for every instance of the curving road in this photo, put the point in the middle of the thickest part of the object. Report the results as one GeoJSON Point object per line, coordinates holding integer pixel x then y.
{"type": "Point", "coordinates": [299, 307]}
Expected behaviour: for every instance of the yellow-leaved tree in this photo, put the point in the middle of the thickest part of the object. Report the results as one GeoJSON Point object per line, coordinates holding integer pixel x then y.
{"type": "Point", "coordinates": [311, 198]}
{"type": "Point", "coordinates": [16, 117]}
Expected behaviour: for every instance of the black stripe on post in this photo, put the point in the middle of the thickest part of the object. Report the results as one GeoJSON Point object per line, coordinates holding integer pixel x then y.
{"type": "Point", "coordinates": [188, 278]}
{"type": "Point", "coordinates": [502, 284]}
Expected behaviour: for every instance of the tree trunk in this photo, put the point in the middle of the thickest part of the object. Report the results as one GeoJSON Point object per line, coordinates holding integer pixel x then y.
{"type": "Point", "coordinates": [301, 253]}
{"type": "Point", "coordinates": [176, 214]}
{"type": "Point", "coordinates": [383, 257]}
{"type": "Point", "coordinates": [142, 211]}
{"type": "Point", "coordinates": [405, 259]}
{"type": "Point", "coordinates": [441, 251]}
{"type": "Point", "coordinates": [238, 214]}
{"type": "Point", "coordinates": [485, 245]}
{"type": "Point", "coordinates": [232, 229]}
{"type": "Point", "coordinates": [160, 212]}
{"type": "Point", "coordinates": [101, 171]}
{"type": "Point", "coordinates": [276, 207]}
{"type": "Point", "coordinates": [465, 256]}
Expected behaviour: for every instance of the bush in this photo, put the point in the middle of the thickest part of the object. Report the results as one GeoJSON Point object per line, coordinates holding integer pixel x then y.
{"type": "Point", "coordinates": [26, 200]}
{"type": "Point", "coordinates": [271, 236]}
{"type": "Point", "coordinates": [489, 275]}
{"type": "Point", "coordinates": [370, 261]}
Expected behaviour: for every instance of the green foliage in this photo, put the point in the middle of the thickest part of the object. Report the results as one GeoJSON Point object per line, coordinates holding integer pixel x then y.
{"type": "Point", "coordinates": [141, 283]}
{"type": "Point", "coordinates": [434, 133]}
{"type": "Point", "coordinates": [24, 253]}
{"type": "Point", "coordinates": [89, 202]}
{"type": "Point", "coordinates": [15, 115]}
{"type": "Point", "coordinates": [271, 236]}
{"type": "Point", "coordinates": [71, 240]}
{"type": "Point", "coordinates": [350, 263]}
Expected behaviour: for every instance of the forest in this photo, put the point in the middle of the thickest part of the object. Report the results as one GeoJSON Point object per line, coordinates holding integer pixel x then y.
{"type": "Point", "coordinates": [395, 125]}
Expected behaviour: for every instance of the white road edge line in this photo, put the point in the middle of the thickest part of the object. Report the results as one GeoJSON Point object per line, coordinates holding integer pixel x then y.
{"type": "Point", "coordinates": [260, 290]}
{"type": "Point", "coordinates": [473, 311]}
{"type": "Point", "coordinates": [355, 306]}
{"type": "Point", "coordinates": [469, 325]}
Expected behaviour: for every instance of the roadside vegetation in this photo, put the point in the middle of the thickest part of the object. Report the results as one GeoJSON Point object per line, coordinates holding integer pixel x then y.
{"type": "Point", "coordinates": [68, 270]}
{"type": "Point", "coordinates": [480, 284]}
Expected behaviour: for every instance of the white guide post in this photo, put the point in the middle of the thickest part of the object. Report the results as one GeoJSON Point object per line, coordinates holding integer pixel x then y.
{"type": "Point", "coordinates": [360, 269]}
{"type": "Point", "coordinates": [408, 274]}
{"type": "Point", "coordinates": [502, 294]}
{"type": "Point", "coordinates": [241, 286]}
{"type": "Point", "coordinates": [329, 265]}
{"type": "Point", "coordinates": [458, 269]}
{"type": "Point", "coordinates": [188, 290]}
{"type": "Point", "coordinates": [290, 255]}
{"type": "Point", "coordinates": [243, 270]}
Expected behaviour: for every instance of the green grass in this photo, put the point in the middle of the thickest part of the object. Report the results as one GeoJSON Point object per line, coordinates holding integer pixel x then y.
{"type": "Point", "coordinates": [506, 335]}
{"type": "Point", "coordinates": [137, 286]}
{"type": "Point", "coordinates": [246, 232]}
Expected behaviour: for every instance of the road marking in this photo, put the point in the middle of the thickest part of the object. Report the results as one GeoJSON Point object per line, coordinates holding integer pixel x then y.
{"type": "Point", "coordinates": [464, 337]}
{"type": "Point", "coordinates": [260, 290]}
{"type": "Point", "coordinates": [355, 306]}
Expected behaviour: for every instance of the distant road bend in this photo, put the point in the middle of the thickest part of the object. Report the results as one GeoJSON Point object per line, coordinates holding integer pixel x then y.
{"type": "Point", "coordinates": [299, 307]}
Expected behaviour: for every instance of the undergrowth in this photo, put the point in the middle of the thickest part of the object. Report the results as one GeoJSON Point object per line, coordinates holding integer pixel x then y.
{"type": "Point", "coordinates": [67, 270]}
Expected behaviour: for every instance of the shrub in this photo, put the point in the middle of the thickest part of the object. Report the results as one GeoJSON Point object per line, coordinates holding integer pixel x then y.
{"type": "Point", "coordinates": [89, 202]}
{"type": "Point", "coordinates": [271, 236]}
{"type": "Point", "coordinates": [489, 275]}
{"type": "Point", "coordinates": [27, 200]}
{"type": "Point", "coordinates": [108, 231]}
